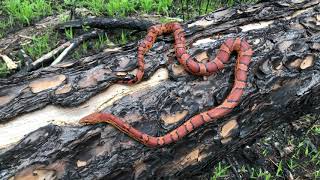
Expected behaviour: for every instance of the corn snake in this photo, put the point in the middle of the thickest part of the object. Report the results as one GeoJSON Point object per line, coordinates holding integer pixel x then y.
{"type": "Point", "coordinates": [239, 45]}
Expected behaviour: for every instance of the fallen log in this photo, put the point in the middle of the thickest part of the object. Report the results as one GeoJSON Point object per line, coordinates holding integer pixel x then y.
{"type": "Point", "coordinates": [45, 105]}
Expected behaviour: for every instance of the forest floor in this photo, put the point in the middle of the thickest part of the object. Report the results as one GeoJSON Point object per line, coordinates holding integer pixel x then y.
{"type": "Point", "coordinates": [32, 23]}
{"type": "Point", "coordinates": [292, 151]}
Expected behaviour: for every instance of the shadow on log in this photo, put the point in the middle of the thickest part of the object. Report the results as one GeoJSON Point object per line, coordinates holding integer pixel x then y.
{"type": "Point", "coordinates": [283, 84]}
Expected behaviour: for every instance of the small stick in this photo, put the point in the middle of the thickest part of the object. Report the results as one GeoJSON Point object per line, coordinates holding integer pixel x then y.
{"type": "Point", "coordinates": [63, 54]}
{"type": "Point", "coordinates": [75, 43]}
{"type": "Point", "coordinates": [45, 58]}
{"type": "Point", "coordinates": [26, 37]}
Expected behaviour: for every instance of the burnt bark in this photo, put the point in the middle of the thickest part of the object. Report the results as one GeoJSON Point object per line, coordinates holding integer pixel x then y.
{"type": "Point", "coordinates": [283, 84]}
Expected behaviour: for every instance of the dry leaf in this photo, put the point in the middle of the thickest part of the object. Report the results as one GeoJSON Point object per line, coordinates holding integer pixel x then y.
{"type": "Point", "coordinates": [10, 64]}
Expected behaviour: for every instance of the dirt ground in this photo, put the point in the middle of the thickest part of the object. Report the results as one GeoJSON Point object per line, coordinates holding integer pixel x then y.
{"type": "Point", "coordinates": [292, 151]}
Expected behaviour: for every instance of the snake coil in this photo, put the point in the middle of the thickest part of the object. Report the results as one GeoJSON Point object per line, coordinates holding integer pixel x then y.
{"type": "Point", "coordinates": [244, 52]}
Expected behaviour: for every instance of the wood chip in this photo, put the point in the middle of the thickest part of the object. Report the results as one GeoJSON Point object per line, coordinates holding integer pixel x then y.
{"type": "Point", "coordinates": [307, 62]}
{"type": "Point", "coordinates": [81, 163]}
{"type": "Point", "coordinates": [226, 130]}
{"type": "Point", "coordinates": [173, 118]}
{"type": "Point", "coordinates": [46, 83]}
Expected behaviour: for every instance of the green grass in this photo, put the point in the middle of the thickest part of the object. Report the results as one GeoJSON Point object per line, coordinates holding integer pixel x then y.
{"type": "Point", "coordinates": [163, 6]}
{"type": "Point", "coordinates": [84, 47]}
{"type": "Point", "coordinates": [63, 18]}
{"type": "Point", "coordinates": [81, 51]}
{"type": "Point", "coordinates": [40, 45]}
{"type": "Point", "coordinates": [264, 175]}
{"type": "Point", "coordinates": [306, 156]}
{"type": "Point", "coordinates": [194, 8]}
{"type": "Point", "coordinates": [146, 5]}
{"type": "Point", "coordinates": [68, 33]}
{"type": "Point", "coordinates": [3, 69]}
{"type": "Point", "coordinates": [302, 158]}
{"type": "Point", "coordinates": [315, 158]}
{"type": "Point", "coordinates": [102, 41]}
{"type": "Point", "coordinates": [220, 171]}
{"type": "Point", "coordinates": [279, 169]}
{"type": "Point", "coordinates": [4, 25]}
{"type": "Point", "coordinates": [85, 28]}
{"type": "Point", "coordinates": [123, 39]}
{"type": "Point", "coordinates": [231, 3]}
{"type": "Point", "coordinates": [317, 174]}
{"type": "Point", "coordinates": [27, 10]}
{"type": "Point", "coordinates": [108, 7]}
{"type": "Point", "coordinates": [69, 2]}
{"type": "Point", "coordinates": [316, 129]}
{"type": "Point", "coordinates": [292, 164]}
{"type": "Point", "coordinates": [120, 7]}
{"type": "Point", "coordinates": [98, 7]}
{"type": "Point", "coordinates": [253, 174]}
{"type": "Point", "coordinates": [126, 7]}
{"type": "Point", "coordinates": [76, 55]}
{"type": "Point", "coordinates": [259, 174]}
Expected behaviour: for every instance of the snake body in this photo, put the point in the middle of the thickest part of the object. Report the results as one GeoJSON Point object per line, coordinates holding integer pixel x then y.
{"type": "Point", "coordinates": [239, 45]}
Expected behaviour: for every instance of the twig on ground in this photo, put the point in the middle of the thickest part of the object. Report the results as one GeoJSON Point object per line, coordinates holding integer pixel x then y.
{"type": "Point", "coordinates": [75, 43]}
{"type": "Point", "coordinates": [64, 53]}
{"type": "Point", "coordinates": [47, 57]}
{"type": "Point", "coordinates": [26, 37]}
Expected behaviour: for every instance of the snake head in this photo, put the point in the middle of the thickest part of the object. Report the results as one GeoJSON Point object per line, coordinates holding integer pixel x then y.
{"type": "Point", "coordinates": [91, 119]}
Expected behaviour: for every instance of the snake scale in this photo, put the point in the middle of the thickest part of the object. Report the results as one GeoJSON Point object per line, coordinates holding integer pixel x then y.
{"type": "Point", "coordinates": [239, 45]}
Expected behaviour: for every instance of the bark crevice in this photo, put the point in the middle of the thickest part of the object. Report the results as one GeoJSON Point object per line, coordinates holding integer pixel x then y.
{"type": "Point", "coordinates": [283, 84]}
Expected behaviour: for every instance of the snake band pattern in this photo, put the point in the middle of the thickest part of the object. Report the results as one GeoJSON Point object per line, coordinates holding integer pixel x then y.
{"type": "Point", "coordinates": [239, 45]}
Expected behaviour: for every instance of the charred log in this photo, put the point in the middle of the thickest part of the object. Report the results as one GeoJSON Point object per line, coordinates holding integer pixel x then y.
{"type": "Point", "coordinates": [283, 84]}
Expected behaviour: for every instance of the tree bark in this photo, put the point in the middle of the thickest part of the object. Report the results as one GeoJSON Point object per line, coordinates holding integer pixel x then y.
{"type": "Point", "coordinates": [283, 84]}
